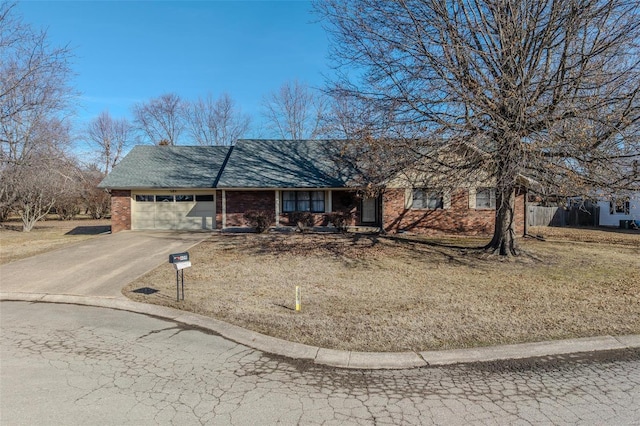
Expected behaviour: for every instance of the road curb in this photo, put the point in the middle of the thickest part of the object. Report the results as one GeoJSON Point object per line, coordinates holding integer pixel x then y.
{"type": "Point", "coordinates": [337, 358]}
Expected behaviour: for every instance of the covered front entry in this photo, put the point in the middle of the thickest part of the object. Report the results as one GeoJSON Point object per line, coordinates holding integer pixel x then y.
{"type": "Point", "coordinates": [172, 210]}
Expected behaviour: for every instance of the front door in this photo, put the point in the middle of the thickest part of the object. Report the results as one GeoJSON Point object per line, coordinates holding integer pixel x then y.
{"type": "Point", "coordinates": [369, 210]}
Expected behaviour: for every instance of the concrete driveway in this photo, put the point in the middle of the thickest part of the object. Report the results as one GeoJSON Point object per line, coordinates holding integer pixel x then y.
{"type": "Point", "coordinates": [97, 267]}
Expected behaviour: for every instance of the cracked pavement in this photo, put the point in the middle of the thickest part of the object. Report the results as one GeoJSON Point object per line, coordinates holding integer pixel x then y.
{"type": "Point", "coordinates": [68, 364]}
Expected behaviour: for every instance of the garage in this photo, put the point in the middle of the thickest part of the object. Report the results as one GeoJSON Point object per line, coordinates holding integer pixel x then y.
{"type": "Point", "coordinates": [176, 210]}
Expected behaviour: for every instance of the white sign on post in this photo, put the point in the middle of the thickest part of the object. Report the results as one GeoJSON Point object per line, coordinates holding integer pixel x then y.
{"type": "Point", "coordinates": [180, 261]}
{"type": "Point", "coordinates": [181, 265]}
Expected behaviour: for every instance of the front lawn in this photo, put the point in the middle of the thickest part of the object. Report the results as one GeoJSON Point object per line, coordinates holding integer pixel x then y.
{"type": "Point", "coordinates": [370, 293]}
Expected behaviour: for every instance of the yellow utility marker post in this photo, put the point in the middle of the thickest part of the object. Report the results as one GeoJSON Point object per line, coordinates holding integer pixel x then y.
{"type": "Point", "coordinates": [298, 299]}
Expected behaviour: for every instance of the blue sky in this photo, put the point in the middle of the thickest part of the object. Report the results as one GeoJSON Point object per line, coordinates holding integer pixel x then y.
{"type": "Point", "coordinates": [127, 52]}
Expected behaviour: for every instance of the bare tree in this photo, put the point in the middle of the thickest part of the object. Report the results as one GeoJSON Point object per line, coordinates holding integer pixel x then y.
{"type": "Point", "coordinates": [110, 136]}
{"type": "Point", "coordinates": [294, 111]}
{"type": "Point", "coordinates": [40, 180]}
{"type": "Point", "coordinates": [346, 117]}
{"type": "Point", "coordinates": [216, 122]}
{"type": "Point", "coordinates": [161, 120]}
{"type": "Point", "coordinates": [97, 201]}
{"type": "Point", "coordinates": [42, 184]}
{"type": "Point", "coordinates": [546, 89]}
{"type": "Point", "coordinates": [33, 95]}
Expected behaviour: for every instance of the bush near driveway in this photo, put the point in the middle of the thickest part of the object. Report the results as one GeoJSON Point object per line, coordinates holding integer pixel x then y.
{"type": "Point", "coordinates": [370, 293]}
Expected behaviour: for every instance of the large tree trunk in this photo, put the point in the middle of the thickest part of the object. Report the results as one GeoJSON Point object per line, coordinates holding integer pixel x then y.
{"type": "Point", "coordinates": [504, 241]}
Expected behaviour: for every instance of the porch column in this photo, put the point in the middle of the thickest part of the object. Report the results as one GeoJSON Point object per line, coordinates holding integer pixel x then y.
{"type": "Point", "coordinates": [214, 225]}
{"type": "Point", "coordinates": [224, 209]}
{"type": "Point", "coordinates": [277, 209]}
{"type": "Point", "coordinates": [328, 207]}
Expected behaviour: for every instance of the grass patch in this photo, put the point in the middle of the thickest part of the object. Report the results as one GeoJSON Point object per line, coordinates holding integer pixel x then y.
{"type": "Point", "coordinates": [369, 293]}
{"type": "Point", "coordinates": [45, 236]}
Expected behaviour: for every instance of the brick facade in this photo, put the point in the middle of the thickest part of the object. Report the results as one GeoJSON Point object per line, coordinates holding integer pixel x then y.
{"type": "Point", "coordinates": [521, 216]}
{"type": "Point", "coordinates": [458, 219]}
{"type": "Point", "coordinates": [120, 210]}
{"type": "Point", "coordinates": [239, 202]}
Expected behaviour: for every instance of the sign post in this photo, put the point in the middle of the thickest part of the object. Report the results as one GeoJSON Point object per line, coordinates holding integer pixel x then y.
{"type": "Point", "coordinates": [180, 262]}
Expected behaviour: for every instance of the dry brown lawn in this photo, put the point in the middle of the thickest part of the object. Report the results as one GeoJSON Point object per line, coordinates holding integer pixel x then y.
{"type": "Point", "coordinates": [371, 293]}
{"type": "Point", "coordinates": [46, 235]}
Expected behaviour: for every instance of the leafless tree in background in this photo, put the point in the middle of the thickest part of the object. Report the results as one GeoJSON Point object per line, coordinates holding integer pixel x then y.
{"type": "Point", "coordinates": [543, 88]}
{"type": "Point", "coordinates": [34, 95]}
{"type": "Point", "coordinates": [110, 136]}
{"type": "Point", "coordinates": [294, 111]}
{"type": "Point", "coordinates": [39, 181]}
{"type": "Point", "coordinates": [347, 117]}
{"type": "Point", "coordinates": [161, 120]}
{"type": "Point", "coordinates": [96, 201]}
{"type": "Point", "coordinates": [216, 121]}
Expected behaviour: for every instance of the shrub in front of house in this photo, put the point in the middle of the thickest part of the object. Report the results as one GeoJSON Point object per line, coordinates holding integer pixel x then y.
{"type": "Point", "coordinates": [302, 220]}
{"type": "Point", "coordinates": [341, 220]}
{"type": "Point", "coordinates": [260, 220]}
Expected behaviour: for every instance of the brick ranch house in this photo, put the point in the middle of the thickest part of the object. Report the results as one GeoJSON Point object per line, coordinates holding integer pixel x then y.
{"type": "Point", "coordinates": [208, 188]}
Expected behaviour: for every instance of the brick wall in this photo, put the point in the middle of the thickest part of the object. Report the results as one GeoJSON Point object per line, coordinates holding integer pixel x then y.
{"type": "Point", "coordinates": [459, 219]}
{"type": "Point", "coordinates": [319, 219]}
{"type": "Point", "coordinates": [346, 201]}
{"type": "Point", "coordinates": [238, 202]}
{"type": "Point", "coordinates": [120, 210]}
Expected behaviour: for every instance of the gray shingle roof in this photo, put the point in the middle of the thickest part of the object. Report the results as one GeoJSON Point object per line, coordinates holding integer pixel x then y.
{"type": "Point", "coordinates": [284, 164]}
{"type": "Point", "coordinates": [168, 167]}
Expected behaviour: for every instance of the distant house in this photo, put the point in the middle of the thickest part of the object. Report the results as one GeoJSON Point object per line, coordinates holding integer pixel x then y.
{"type": "Point", "coordinates": [619, 208]}
{"type": "Point", "coordinates": [207, 188]}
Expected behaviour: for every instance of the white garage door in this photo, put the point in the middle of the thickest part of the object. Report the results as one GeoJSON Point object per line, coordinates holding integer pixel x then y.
{"type": "Point", "coordinates": [177, 211]}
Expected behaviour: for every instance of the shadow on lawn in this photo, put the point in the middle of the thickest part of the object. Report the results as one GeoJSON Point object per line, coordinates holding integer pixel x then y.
{"type": "Point", "coordinates": [90, 230]}
{"type": "Point", "coordinates": [433, 243]}
{"type": "Point", "coordinates": [355, 248]}
{"type": "Point", "coordinates": [312, 244]}
{"type": "Point", "coordinates": [466, 255]}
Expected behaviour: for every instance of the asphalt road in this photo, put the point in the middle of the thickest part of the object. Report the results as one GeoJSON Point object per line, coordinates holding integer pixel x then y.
{"type": "Point", "coordinates": [67, 364]}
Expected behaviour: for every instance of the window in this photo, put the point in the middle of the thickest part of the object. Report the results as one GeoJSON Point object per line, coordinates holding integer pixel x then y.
{"type": "Point", "coordinates": [485, 198]}
{"type": "Point", "coordinates": [317, 201]}
{"type": "Point", "coordinates": [208, 197]}
{"type": "Point", "coordinates": [144, 198]}
{"type": "Point", "coordinates": [427, 199]}
{"type": "Point", "coordinates": [288, 201]}
{"type": "Point", "coordinates": [303, 201]}
{"type": "Point", "coordinates": [184, 198]}
{"type": "Point", "coordinates": [619, 206]}
{"type": "Point", "coordinates": [164, 198]}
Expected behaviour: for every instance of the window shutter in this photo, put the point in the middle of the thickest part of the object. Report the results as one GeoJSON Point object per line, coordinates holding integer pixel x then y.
{"type": "Point", "coordinates": [408, 198]}
{"type": "Point", "coordinates": [492, 194]}
{"type": "Point", "coordinates": [446, 199]}
{"type": "Point", "coordinates": [612, 206]}
{"type": "Point", "coordinates": [472, 198]}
